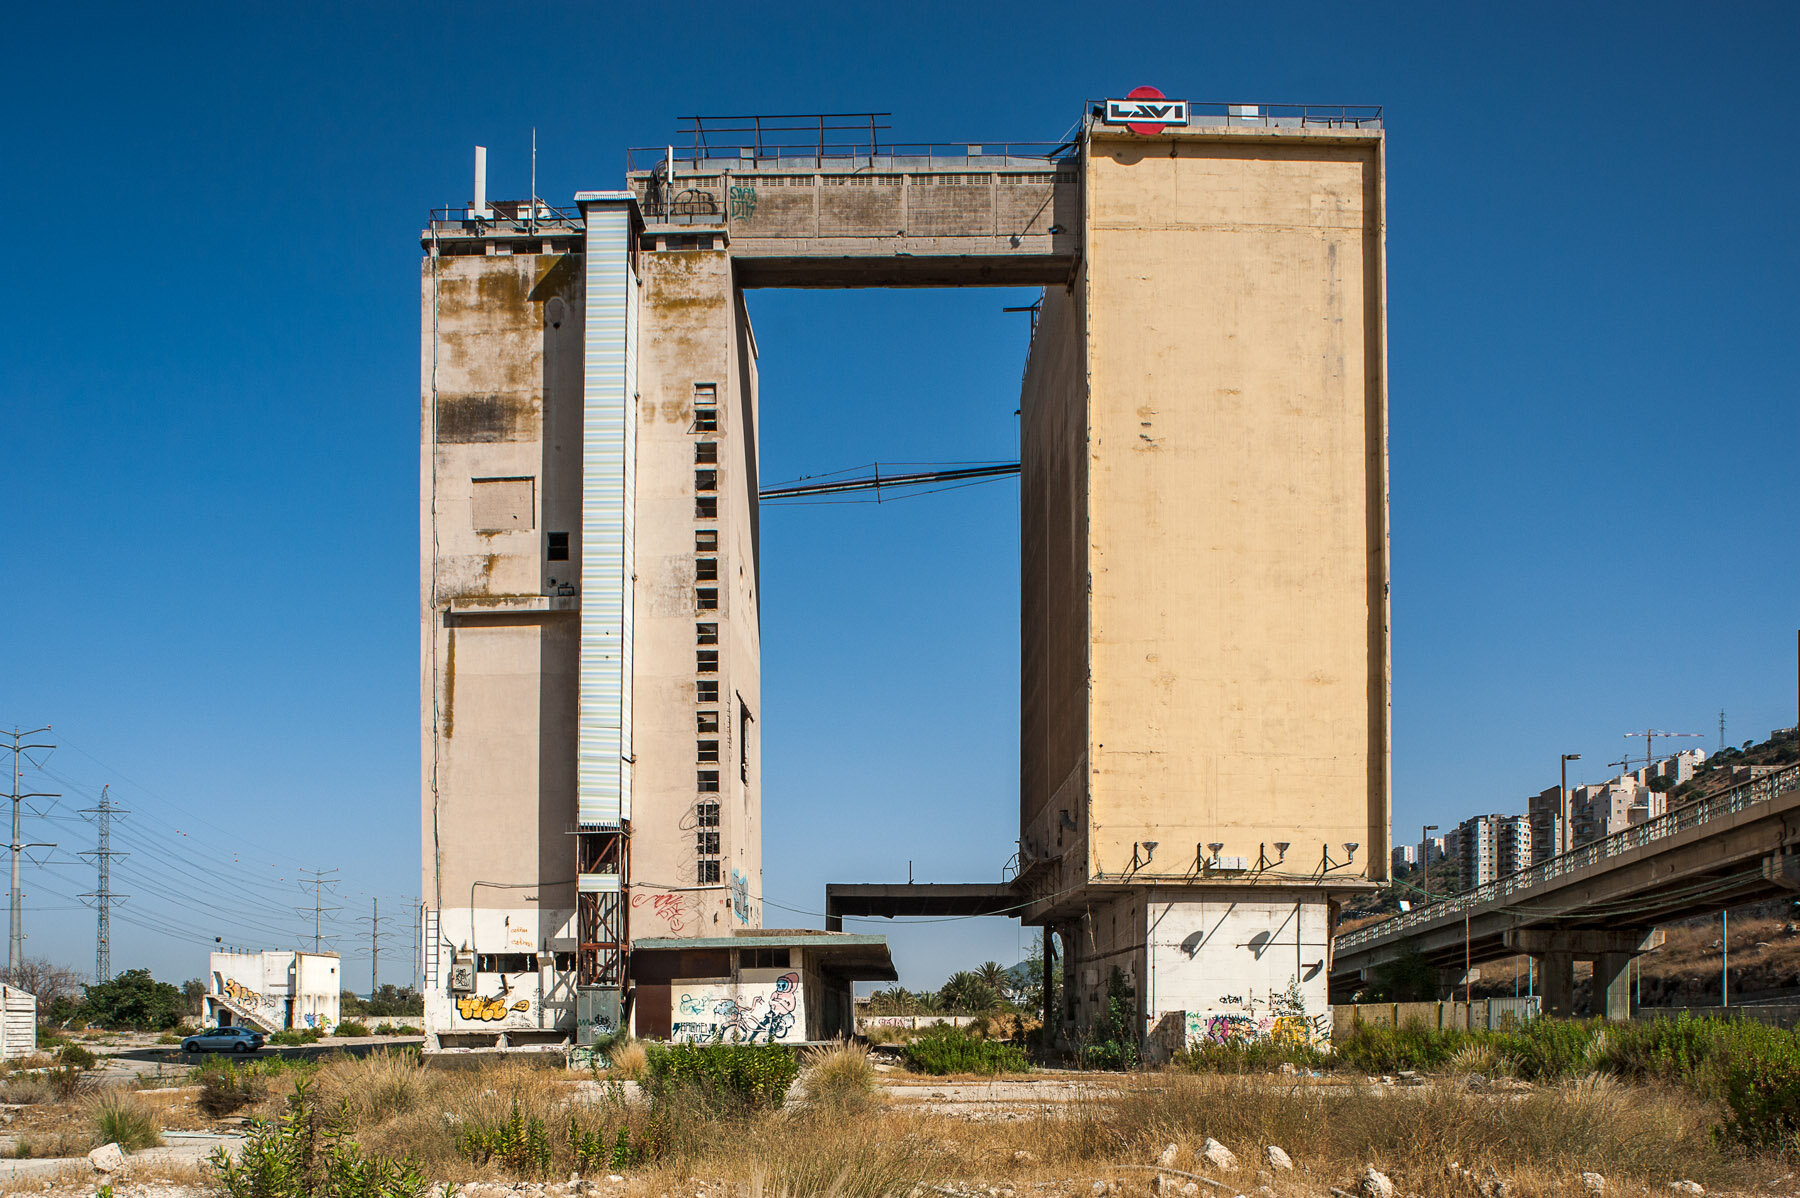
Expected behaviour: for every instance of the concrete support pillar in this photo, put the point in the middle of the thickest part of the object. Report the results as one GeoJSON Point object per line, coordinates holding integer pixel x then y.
{"type": "Point", "coordinates": [1612, 985]}
{"type": "Point", "coordinates": [1556, 972]}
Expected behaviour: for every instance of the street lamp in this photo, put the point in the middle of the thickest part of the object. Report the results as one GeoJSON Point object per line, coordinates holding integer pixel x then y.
{"type": "Point", "coordinates": [1425, 856]}
{"type": "Point", "coordinates": [1567, 835]}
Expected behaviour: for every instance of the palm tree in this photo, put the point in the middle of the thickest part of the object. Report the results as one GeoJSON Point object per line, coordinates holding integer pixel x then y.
{"type": "Point", "coordinates": [928, 1002]}
{"type": "Point", "coordinates": [995, 975]}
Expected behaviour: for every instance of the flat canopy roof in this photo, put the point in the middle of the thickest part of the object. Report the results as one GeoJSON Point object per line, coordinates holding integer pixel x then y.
{"type": "Point", "coordinates": [855, 958]}
{"type": "Point", "coordinates": [897, 899]}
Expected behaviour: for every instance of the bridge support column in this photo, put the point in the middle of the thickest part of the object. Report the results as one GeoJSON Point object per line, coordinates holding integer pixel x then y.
{"type": "Point", "coordinates": [1612, 985]}
{"type": "Point", "coordinates": [1556, 970]}
{"type": "Point", "coordinates": [1610, 950]}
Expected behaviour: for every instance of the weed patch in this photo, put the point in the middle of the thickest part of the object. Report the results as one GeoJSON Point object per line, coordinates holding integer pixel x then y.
{"type": "Point", "coordinates": [944, 1049]}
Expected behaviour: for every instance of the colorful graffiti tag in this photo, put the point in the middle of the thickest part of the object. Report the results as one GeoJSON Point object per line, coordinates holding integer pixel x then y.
{"type": "Point", "coordinates": [739, 1014]}
{"type": "Point", "coordinates": [236, 991]}
{"type": "Point", "coordinates": [1236, 1028]}
{"type": "Point", "coordinates": [489, 1010]}
{"type": "Point", "coordinates": [740, 896]}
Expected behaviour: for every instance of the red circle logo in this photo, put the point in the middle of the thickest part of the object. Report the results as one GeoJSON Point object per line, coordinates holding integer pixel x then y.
{"type": "Point", "coordinates": [1146, 128]}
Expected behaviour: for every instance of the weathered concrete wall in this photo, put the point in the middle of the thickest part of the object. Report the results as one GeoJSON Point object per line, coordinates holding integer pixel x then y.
{"type": "Point", "coordinates": [695, 335]}
{"type": "Point", "coordinates": [1238, 965]}
{"type": "Point", "coordinates": [1237, 519]}
{"type": "Point", "coordinates": [501, 352]}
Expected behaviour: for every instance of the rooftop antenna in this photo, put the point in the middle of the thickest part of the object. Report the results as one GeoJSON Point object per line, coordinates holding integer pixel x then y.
{"type": "Point", "coordinates": [478, 209]}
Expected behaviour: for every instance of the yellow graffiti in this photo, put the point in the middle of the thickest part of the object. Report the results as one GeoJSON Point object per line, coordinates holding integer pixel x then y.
{"type": "Point", "coordinates": [489, 1009]}
{"type": "Point", "coordinates": [238, 992]}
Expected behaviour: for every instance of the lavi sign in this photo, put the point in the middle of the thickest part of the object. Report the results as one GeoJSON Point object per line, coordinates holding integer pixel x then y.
{"type": "Point", "coordinates": [1146, 111]}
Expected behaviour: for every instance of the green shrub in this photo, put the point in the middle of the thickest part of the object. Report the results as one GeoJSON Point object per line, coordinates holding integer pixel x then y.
{"type": "Point", "coordinates": [305, 1154]}
{"type": "Point", "coordinates": [225, 1089]}
{"type": "Point", "coordinates": [517, 1141]}
{"type": "Point", "coordinates": [945, 1049]}
{"type": "Point", "coordinates": [350, 1027]}
{"type": "Point", "coordinates": [76, 1056]}
{"type": "Point", "coordinates": [122, 1118]}
{"type": "Point", "coordinates": [294, 1036]}
{"type": "Point", "coordinates": [726, 1076]}
{"type": "Point", "coordinates": [1262, 1055]}
{"type": "Point", "coordinates": [1751, 1069]}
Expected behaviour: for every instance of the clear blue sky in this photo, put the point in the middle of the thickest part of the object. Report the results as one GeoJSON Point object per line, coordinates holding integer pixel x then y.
{"type": "Point", "coordinates": [209, 371]}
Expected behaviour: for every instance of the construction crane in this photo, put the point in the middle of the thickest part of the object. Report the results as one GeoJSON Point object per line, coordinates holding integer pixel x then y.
{"type": "Point", "coordinates": [1650, 735]}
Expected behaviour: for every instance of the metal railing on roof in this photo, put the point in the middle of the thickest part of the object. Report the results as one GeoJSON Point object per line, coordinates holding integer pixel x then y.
{"type": "Point", "coordinates": [1757, 790]}
{"type": "Point", "coordinates": [841, 140]}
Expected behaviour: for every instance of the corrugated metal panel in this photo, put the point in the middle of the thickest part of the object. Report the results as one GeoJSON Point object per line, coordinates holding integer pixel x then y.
{"type": "Point", "coordinates": [18, 1023]}
{"type": "Point", "coordinates": [608, 493]}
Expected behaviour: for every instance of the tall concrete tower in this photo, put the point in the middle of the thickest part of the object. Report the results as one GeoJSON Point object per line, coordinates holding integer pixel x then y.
{"type": "Point", "coordinates": [1204, 712]}
{"type": "Point", "coordinates": [590, 683]}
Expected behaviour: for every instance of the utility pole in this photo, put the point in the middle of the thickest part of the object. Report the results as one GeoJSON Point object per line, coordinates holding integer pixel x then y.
{"type": "Point", "coordinates": [374, 919]}
{"type": "Point", "coordinates": [418, 916]}
{"type": "Point", "coordinates": [15, 945]}
{"type": "Point", "coordinates": [103, 896]}
{"type": "Point", "coordinates": [319, 881]}
{"type": "Point", "coordinates": [1721, 727]}
{"type": "Point", "coordinates": [1568, 815]}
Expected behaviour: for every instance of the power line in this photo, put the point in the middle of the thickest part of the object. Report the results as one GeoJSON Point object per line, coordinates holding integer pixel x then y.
{"type": "Point", "coordinates": [374, 919]}
{"type": "Point", "coordinates": [15, 945]}
{"type": "Point", "coordinates": [319, 881]}
{"type": "Point", "coordinates": [103, 895]}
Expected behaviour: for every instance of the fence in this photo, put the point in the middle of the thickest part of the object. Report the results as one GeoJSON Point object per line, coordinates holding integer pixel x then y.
{"type": "Point", "coordinates": [1490, 1013]}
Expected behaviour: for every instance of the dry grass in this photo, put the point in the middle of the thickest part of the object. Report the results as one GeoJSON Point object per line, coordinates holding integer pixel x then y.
{"type": "Point", "coordinates": [628, 1061]}
{"type": "Point", "coordinates": [840, 1078]}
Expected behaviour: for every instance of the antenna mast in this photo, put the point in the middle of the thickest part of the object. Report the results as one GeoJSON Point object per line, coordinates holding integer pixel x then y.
{"type": "Point", "coordinates": [103, 896]}
{"type": "Point", "coordinates": [319, 881]}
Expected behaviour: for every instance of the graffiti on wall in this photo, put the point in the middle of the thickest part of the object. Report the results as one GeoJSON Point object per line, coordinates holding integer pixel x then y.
{"type": "Point", "coordinates": [490, 1010]}
{"type": "Point", "coordinates": [1233, 1027]}
{"type": "Point", "coordinates": [236, 991]}
{"type": "Point", "coordinates": [744, 1013]}
{"type": "Point", "coordinates": [740, 896]}
{"type": "Point", "coordinates": [674, 909]}
{"type": "Point", "coordinates": [743, 201]}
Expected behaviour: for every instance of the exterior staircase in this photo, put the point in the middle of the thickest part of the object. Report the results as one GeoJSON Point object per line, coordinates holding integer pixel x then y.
{"type": "Point", "coordinates": [248, 1014]}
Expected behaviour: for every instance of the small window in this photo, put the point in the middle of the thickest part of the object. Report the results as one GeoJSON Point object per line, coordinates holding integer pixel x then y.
{"type": "Point", "coordinates": [709, 873]}
{"type": "Point", "coordinates": [505, 963]}
{"type": "Point", "coordinates": [706, 661]}
{"type": "Point", "coordinates": [706, 634]}
{"type": "Point", "coordinates": [706, 750]}
{"type": "Point", "coordinates": [706, 507]}
{"type": "Point", "coordinates": [706, 569]}
{"type": "Point", "coordinates": [708, 814]}
{"type": "Point", "coordinates": [706, 480]}
{"type": "Point", "coordinates": [762, 958]}
{"type": "Point", "coordinates": [556, 546]}
{"type": "Point", "coordinates": [705, 452]}
{"type": "Point", "coordinates": [706, 721]}
{"type": "Point", "coordinates": [706, 598]}
{"type": "Point", "coordinates": [707, 781]}
{"type": "Point", "coordinates": [707, 691]}
{"type": "Point", "coordinates": [706, 540]}
{"type": "Point", "coordinates": [706, 844]}
{"type": "Point", "coordinates": [706, 407]}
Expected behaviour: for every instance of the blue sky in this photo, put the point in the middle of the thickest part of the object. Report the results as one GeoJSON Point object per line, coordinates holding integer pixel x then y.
{"type": "Point", "coordinates": [209, 378]}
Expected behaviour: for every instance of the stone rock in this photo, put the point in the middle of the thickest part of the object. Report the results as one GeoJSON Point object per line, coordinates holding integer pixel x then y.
{"type": "Point", "coordinates": [1218, 1156]}
{"type": "Point", "coordinates": [1098, 1188]}
{"type": "Point", "coordinates": [1593, 1183]}
{"type": "Point", "coordinates": [108, 1158]}
{"type": "Point", "coordinates": [1275, 1158]}
{"type": "Point", "coordinates": [1190, 1187]}
{"type": "Point", "coordinates": [1022, 1157]}
{"type": "Point", "coordinates": [1375, 1184]}
{"type": "Point", "coordinates": [1167, 1159]}
{"type": "Point", "coordinates": [1687, 1187]}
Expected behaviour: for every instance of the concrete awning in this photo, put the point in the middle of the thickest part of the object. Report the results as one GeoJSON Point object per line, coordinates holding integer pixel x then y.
{"type": "Point", "coordinates": [901, 899]}
{"type": "Point", "coordinates": [848, 956]}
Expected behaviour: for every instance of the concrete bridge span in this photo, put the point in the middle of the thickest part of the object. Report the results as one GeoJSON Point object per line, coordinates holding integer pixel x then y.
{"type": "Point", "coordinates": [1602, 901]}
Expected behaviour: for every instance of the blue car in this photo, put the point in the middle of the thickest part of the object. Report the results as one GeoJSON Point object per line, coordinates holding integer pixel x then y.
{"type": "Point", "coordinates": [235, 1038]}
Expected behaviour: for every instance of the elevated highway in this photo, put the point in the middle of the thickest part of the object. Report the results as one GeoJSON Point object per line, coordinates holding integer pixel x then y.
{"type": "Point", "coordinates": [1601, 901]}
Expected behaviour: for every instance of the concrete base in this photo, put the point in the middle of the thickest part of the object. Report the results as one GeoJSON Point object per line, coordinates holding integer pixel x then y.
{"type": "Point", "coordinates": [1611, 951]}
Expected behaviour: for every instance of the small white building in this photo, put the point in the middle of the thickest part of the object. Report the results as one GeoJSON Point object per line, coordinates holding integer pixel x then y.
{"type": "Point", "coordinates": [274, 989]}
{"type": "Point", "coordinates": [18, 1023]}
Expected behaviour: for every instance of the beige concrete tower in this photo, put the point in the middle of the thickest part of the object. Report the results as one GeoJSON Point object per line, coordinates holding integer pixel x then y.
{"type": "Point", "coordinates": [589, 634]}
{"type": "Point", "coordinates": [1205, 682]}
